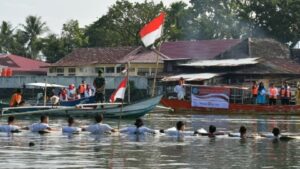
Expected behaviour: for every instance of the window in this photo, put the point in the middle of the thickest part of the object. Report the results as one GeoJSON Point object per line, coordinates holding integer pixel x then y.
{"type": "Point", "coordinates": [60, 71]}
{"type": "Point", "coordinates": [99, 68]}
{"type": "Point", "coordinates": [72, 70]}
{"type": "Point", "coordinates": [120, 69]}
{"type": "Point", "coordinates": [110, 70]}
{"type": "Point", "coordinates": [52, 70]}
{"type": "Point", "coordinates": [143, 71]}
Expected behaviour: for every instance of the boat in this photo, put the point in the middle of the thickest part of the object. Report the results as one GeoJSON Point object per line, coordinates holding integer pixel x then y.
{"type": "Point", "coordinates": [111, 110]}
{"type": "Point", "coordinates": [237, 104]}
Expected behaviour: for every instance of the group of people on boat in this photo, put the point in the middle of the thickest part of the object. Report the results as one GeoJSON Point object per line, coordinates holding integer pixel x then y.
{"type": "Point", "coordinates": [138, 128]}
{"type": "Point", "coordinates": [260, 94]}
{"type": "Point", "coordinates": [68, 94]}
{"type": "Point", "coordinates": [73, 93]}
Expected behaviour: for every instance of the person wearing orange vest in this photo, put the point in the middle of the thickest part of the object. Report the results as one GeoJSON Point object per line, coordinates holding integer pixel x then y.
{"type": "Point", "coordinates": [16, 99]}
{"type": "Point", "coordinates": [273, 92]}
{"type": "Point", "coordinates": [285, 94]}
{"type": "Point", "coordinates": [81, 89]}
{"type": "Point", "coordinates": [254, 92]}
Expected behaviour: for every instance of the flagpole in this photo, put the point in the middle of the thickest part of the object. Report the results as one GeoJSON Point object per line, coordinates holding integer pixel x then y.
{"type": "Point", "coordinates": [157, 60]}
{"type": "Point", "coordinates": [128, 84]}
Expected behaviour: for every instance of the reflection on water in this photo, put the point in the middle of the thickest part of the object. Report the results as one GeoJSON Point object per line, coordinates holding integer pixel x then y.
{"type": "Point", "coordinates": [56, 150]}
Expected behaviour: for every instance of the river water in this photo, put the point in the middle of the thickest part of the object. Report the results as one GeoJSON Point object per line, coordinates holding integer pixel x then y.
{"type": "Point", "coordinates": [56, 150]}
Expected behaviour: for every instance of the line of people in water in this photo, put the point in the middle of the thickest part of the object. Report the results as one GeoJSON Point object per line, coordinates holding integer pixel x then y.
{"type": "Point", "coordinates": [137, 129]}
{"type": "Point", "coordinates": [260, 94]}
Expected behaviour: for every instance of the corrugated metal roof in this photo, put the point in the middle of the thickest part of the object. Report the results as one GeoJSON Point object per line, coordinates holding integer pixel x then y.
{"type": "Point", "coordinates": [203, 49]}
{"type": "Point", "coordinates": [223, 62]}
{"type": "Point", "coordinates": [191, 77]}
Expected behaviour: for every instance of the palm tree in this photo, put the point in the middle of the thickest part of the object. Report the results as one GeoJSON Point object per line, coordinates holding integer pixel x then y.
{"type": "Point", "coordinates": [33, 28]}
{"type": "Point", "coordinates": [6, 37]}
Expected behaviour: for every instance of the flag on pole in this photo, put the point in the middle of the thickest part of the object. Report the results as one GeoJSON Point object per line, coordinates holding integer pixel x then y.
{"type": "Point", "coordinates": [153, 30]}
{"type": "Point", "coordinates": [119, 92]}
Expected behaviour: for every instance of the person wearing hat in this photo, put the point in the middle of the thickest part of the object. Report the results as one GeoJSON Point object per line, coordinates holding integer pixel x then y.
{"type": "Point", "coordinates": [16, 99]}
{"type": "Point", "coordinates": [99, 84]}
{"type": "Point", "coordinates": [138, 128]}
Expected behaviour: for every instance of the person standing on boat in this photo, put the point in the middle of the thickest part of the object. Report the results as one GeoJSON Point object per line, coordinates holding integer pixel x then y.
{"type": "Point", "coordinates": [285, 94]}
{"type": "Point", "coordinates": [261, 97]}
{"type": "Point", "coordinates": [273, 92]}
{"type": "Point", "coordinates": [89, 91]}
{"type": "Point", "coordinates": [99, 84]}
{"type": "Point", "coordinates": [179, 89]}
{"type": "Point", "coordinates": [71, 92]}
{"type": "Point", "coordinates": [298, 94]}
{"type": "Point", "coordinates": [16, 99]}
{"type": "Point", "coordinates": [254, 92]}
{"type": "Point", "coordinates": [82, 87]}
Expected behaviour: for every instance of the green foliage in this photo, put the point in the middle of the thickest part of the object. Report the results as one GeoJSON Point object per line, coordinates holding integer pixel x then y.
{"type": "Point", "coordinates": [279, 19]}
{"type": "Point", "coordinates": [121, 25]}
{"type": "Point", "coordinates": [32, 29]}
{"type": "Point", "coordinates": [6, 37]}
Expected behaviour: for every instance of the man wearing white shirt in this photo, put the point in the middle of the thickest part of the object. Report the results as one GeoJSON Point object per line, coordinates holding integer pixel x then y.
{"type": "Point", "coordinates": [71, 129]}
{"type": "Point", "coordinates": [99, 127]}
{"type": "Point", "coordinates": [179, 89]}
{"type": "Point", "coordinates": [137, 129]}
{"type": "Point", "coordinates": [43, 126]}
{"type": "Point", "coordinates": [10, 127]}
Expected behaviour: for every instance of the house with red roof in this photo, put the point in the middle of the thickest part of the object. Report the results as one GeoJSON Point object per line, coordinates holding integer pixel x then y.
{"type": "Point", "coordinates": [22, 66]}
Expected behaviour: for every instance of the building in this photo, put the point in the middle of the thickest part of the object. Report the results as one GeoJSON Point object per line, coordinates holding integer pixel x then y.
{"type": "Point", "coordinates": [22, 66]}
{"type": "Point", "coordinates": [87, 62]}
{"type": "Point", "coordinates": [235, 62]}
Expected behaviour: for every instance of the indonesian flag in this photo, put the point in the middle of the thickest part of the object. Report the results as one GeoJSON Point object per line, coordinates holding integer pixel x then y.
{"type": "Point", "coordinates": [119, 92]}
{"type": "Point", "coordinates": [153, 30]}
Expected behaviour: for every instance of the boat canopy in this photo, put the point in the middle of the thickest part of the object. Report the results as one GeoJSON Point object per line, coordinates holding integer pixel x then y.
{"type": "Point", "coordinates": [222, 62]}
{"type": "Point", "coordinates": [191, 77]}
{"type": "Point", "coordinates": [42, 84]}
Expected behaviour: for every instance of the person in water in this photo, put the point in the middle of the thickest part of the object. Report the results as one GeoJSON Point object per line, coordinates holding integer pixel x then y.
{"type": "Point", "coordinates": [242, 133]}
{"type": "Point", "coordinates": [71, 129]}
{"type": "Point", "coordinates": [10, 127]}
{"type": "Point", "coordinates": [139, 128]}
{"type": "Point", "coordinates": [179, 130]}
{"type": "Point", "coordinates": [42, 126]}
{"type": "Point", "coordinates": [276, 132]}
{"type": "Point", "coordinates": [99, 127]}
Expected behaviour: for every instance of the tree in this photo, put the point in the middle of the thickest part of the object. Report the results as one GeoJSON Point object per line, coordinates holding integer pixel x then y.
{"type": "Point", "coordinates": [216, 20]}
{"type": "Point", "coordinates": [73, 36]}
{"type": "Point", "coordinates": [279, 19]}
{"type": "Point", "coordinates": [53, 48]}
{"type": "Point", "coordinates": [6, 37]}
{"type": "Point", "coordinates": [121, 25]}
{"type": "Point", "coordinates": [33, 28]}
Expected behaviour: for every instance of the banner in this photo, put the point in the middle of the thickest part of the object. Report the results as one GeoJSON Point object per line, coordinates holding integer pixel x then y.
{"type": "Point", "coordinates": [210, 97]}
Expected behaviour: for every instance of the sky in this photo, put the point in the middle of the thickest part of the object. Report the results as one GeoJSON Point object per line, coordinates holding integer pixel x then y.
{"type": "Point", "coordinates": [57, 12]}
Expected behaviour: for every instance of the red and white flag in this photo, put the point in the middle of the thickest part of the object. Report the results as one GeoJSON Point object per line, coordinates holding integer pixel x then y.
{"type": "Point", "coordinates": [119, 92]}
{"type": "Point", "coordinates": [153, 30]}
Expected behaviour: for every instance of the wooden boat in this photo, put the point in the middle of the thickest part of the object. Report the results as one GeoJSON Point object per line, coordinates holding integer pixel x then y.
{"type": "Point", "coordinates": [238, 102]}
{"type": "Point", "coordinates": [183, 106]}
{"type": "Point", "coordinates": [111, 110]}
